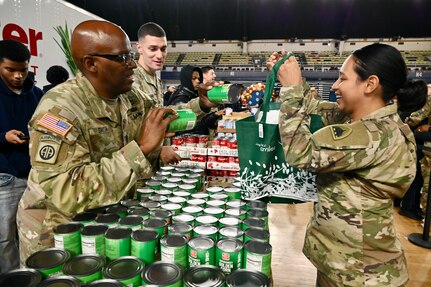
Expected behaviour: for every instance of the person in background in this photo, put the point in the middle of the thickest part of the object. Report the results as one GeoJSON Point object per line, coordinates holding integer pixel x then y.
{"type": "Point", "coordinates": [351, 237]}
{"type": "Point", "coordinates": [89, 141]}
{"type": "Point", "coordinates": [55, 75]}
{"type": "Point", "coordinates": [18, 100]}
{"type": "Point", "coordinates": [209, 76]}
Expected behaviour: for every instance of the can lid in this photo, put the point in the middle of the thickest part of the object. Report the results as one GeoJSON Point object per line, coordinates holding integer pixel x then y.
{"type": "Point", "coordinates": [198, 170]}
{"type": "Point", "coordinates": [216, 202]}
{"type": "Point", "coordinates": [150, 204]}
{"type": "Point", "coordinates": [143, 235]}
{"type": "Point", "coordinates": [165, 192]}
{"type": "Point", "coordinates": [131, 220]}
{"type": "Point", "coordinates": [154, 223]}
{"type": "Point", "coordinates": [229, 244]}
{"type": "Point", "coordinates": [122, 268]}
{"type": "Point", "coordinates": [204, 275]}
{"type": "Point", "coordinates": [108, 218]}
{"type": "Point", "coordinates": [186, 186]}
{"type": "Point", "coordinates": [254, 221]}
{"type": "Point", "coordinates": [130, 203]}
{"type": "Point", "coordinates": [192, 209]}
{"type": "Point", "coordinates": [177, 199]}
{"type": "Point", "coordinates": [235, 211]}
{"type": "Point", "coordinates": [191, 181]}
{"type": "Point", "coordinates": [139, 210]}
{"type": "Point", "coordinates": [158, 197]}
{"type": "Point", "coordinates": [258, 213]}
{"type": "Point", "coordinates": [181, 193]}
{"type": "Point", "coordinates": [247, 278]}
{"type": "Point", "coordinates": [257, 233]}
{"type": "Point", "coordinates": [68, 227]}
{"type": "Point", "coordinates": [231, 231]}
{"type": "Point", "coordinates": [180, 227]}
{"type": "Point", "coordinates": [169, 184]}
{"type": "Point", "coordinates": [256, 204]}
{"type": "Point", "coordinates": [196, 201]}
{"type": "Point", "coordinates": [230, 220]}
{"type": "Point", "coordinates": [116, 209]}
{"type": "Point", "coordinates": [160, 213]}
{"type": "Point", "coordinates": [152, 183]}
{"type": "Point", "coordinates": [213, 210]}
{"type": "Point", "coordinates": [94, 229]}
{"type": "Point", "coordinates": [162, 273]}
{"type": "Point", "coordinates": [200, 195]}
{"type": "Point", "coordinates": [84, 265]}
{"type": "Point", "coordinates": [63, 281]}
{"type": "Point", "coordinates": [183, 217]}
{"type": "Point", "coordinates": [232, 189]}
{"type": "Point", "coordinates": [47, 258]}
{"type": "Point", "coordinates": [205, 229]}
{"type": "Point", "coordinates": [213, 189]}
{"type": "Point", "coordinates": [84, 216]}
{"type": "Point", "coordinates": [145, 190]}
{"type": "Point", "coordinates": [25, 277]}
{"type": "Point", "coordinates": [235, 203]}
{"type": "Point", "coordinates": [173, 240]}
{"type": "Point", "coordinates": [105, 283]}
{"type": "Point", "coordinates": [178, 174]}
{"type": "Point", "coordinates": [157, 177]}
{"type": "Point", "coordinates": [167, 168]}
{"type": "Point", "coordinates": [219, 196]}
{"type": "Point", "coordinates": [118, 233]}
{"type": "Point", "coordinates": [207, 219]}
{"type": "Point", "coordinates": [258, 247]}
{"type": "Point", "coordinates": [201, 243]}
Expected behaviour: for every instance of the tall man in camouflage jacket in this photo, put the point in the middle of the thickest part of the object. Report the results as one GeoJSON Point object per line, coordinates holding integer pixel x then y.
{"type": "Point", "coordinates": [89, 144]}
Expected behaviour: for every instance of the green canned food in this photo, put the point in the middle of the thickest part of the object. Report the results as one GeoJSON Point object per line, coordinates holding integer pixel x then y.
{"type": "Point", "coordinates": [159, 198]}
{"type": "Point", "coordinates": [186, 121]}
{"type": "Point", "coordinates": [214, 189]}
{"type": "Point", "coordinates": [62, 281]}
{"type": "Point", "coordinates": [182, 193]}
{"type": "Point", "coordinates": [247, 278]}
{"type": "Point", "coordinates": [157, 224]}
{"type": "Point", "coordinates": [259, 213]}
{"type": "Point", "coordinates": [201, 251]}
{"type": "Point", "coordinates": [131, 221]}
{"type": "Point", "coordinates": [141, 211]}
{"type": "Point", "coordinates": [93, 239]}
{"type": "Point", "coordinates": [256, 204]}
{"type": "Point", "coordinates": [170, 185]}
{"type": "Point", "coordinates": [129, 203]}
{"type": "Point", "coordinates": [153, 184]}
{"type": "Point", "coordinates": [158, 177]}
{"type": "Point", "coordinates": [197, 201]}
{"type": "Point", "coordinates": [199, 180]}
{"type": "Point", "coordinates": [117, 242]}
{"type": "Point", "coordinates": [109, 219]}
{"type": "Point", "coordinates": [187, 187]}
{"type": "Point", "coordinates": [169, 168]}
{"type": "Point", "coordinates": [214, 211]}
{"type": "Point", "coordinates": [48, 261]}
{"type": "Point", "coordinates": [206, 230]}
{"type": "Point", "coordinates": [166, 215]}
{"type": "Point", "coordinates": [144, 193]}
{"type": "Point", "coordinates": [85, 218]}
{"type": "Point", "coordinates": [126, 270]}
{"type": "Point", "coordinates": [173, 248]}
{"type": "Point", "coordinates": [165, 192]}
{"type": "Point", "coordinates": [253, 222]}
{"type": "Point", "coordinates": [117, 209]}
{"type": "Point", "coordinates": [225, 94]}
{"type": "Point", "coordinates": [173, 208]}
{"type": "Point", "coordinates": [219, 196]}
{"type": "Point", "coordinates": [237, 212]}
{"type": "Point", "coordinates": [179, 175]}
{"type": "Point", "coordinates": [24, 277]}
{"type": "Point", "coordinates": [184, 217]}
{"type": "Point", "coordinates": [216, 203]}
{"type": "Point", "coordinates": [178, 200]}
{"type": "Point", "coordinates": [259, 234]}
{"type": "Point", "coordinates": [201, 195]}
{"type": "Point", "coordinates": [86, 268]}
{"type": "Point", "coordinates": [229, 221]}
{"type": "Point", "coordinates": [229, 254]}
{"type": "Point", "coordinates": [145, 245]}
{"type": "Point", "coordinates": [181, 228]}
{"type": "Point", "coordinates": [257, 256]}
{"type": "Point", "coordinates": [194, 210]}
{"type": "Point", "coordinates": [105, 283]}
{"type": "Point", "coordinates": [204, 276]}
{"type": "Point", "coordinates": [206, 219]}
{"type": "Point", "coordinates": [235, 203]}
{"type": "Point", "coordinates": [163, 274]}
{"type": "Point", "coordinates": [232, 232]}
{"type": "Point", "coordinates": [191, 181]}
{"type": "Point", "coordinates": [233, 192]}
{"type": "Point", "coordinates": [151, 205]}
{"type": "Point", "coordinates": [175, 180]}
{"type": "Point", "coordinates": [68, 236]}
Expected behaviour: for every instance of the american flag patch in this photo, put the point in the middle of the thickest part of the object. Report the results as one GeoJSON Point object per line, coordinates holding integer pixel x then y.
{"type": "Point", "coordinates": [54, 124]}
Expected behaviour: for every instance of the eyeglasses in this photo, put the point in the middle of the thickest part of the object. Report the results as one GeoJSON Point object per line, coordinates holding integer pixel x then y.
{"type": "Point", "coordinates": [122, 58]}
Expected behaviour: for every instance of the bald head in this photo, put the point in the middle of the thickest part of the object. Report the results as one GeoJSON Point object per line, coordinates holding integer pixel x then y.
{"type": "Point", "coordinates": [96, 37]}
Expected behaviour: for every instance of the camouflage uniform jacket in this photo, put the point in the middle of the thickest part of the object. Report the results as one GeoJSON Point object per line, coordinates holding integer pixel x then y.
{"type": "Point", "coordinates": [83, 156]}
{"type": "Point", "coordinates": [361, 167]}
{"type": "Point", "coordinates": [417, 117]}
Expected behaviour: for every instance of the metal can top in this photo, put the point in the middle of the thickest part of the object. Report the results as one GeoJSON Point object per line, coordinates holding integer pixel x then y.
{"type": "Point", "coordinates": [235, 203]}
{"type": "Point", "coordinates": [213, 210]}
{"type": "Point", "coordinates": [165, 192]}
{"type": "Point", "coordinates": [145, 190]}
{"type": "Point", "coordinates": [170, 185]}
{"type": "Point", "coordinates": [131, 220]}
{"type": "Point", "coordinates": [180, 227]}
{"type": "Point", "coordinates": [201, 243]}
{"type": "Point", "coordinates": [171, 207]}
{"type": "Point", "coordinates": [257, 213]}
{"type": "Point", "coordinates": [47, 258]}
{"type": "Point", "coordinates": [94, 229]}
{"type": "Point", "coordinates": [192, 209]}
{"type": "Point", "coordinates": [205, 229]}
{"type": "Point", "coordinates": [204, 275]}
{"type": "Point", "coordinates": [116, 209]}
{"type": "Point", "coordinates": [200, 195]}
{"type": "Point", "coordinates": [150, 204]}
{"type": "Point", "coordinates": [206, 219]}
{"type": "Point", "coordinates": [130, 203]}
{"type": "Point", "coordinates": [216, 202]}
{"type": "Point", "coordinates": [84, 216]}
{"type": "Point", "coordinates": [108, 218]}
{"type": "Point", "coordinates": [177, 199]}
{"type": "Point", "coordinates": [118, 233]}
{"type": "Point", "coordinates": [68, 227]}
{"type": "Point", "coordinates": [214, 189]}
{"type": "Point", "coordinates": [258, 247]}
{"type": "Point", "coordinates": [162, 273]}
{"type": "Point", "coordinates": [167, 168]}
{"type": "Point", "coordinates": [64, 281]}
{"type": "Point", "coordinates": [173, 240]}
{"type": "Point", "coordinates": [219, 196]}
{"type": "Point", "coordinates": [182, 193]}
{"type": "Point", "coordinates": [160, 213]}
{"type": "Point", "coordinates": [25, 277]}
{"type": "Point", "coordinates": [229, 244]}
{"type": "Point", "coordinates": [235, 211]}
{"type": "Point", "coordinates": [143, 235]}
{"type": "Point", "coordinates": [196, 201]}
{"type": "Point", "coordinates": [154, 223]}
{"type": "Point", "coordinates": [256, 204]}
{"type": "Point", "coordinates": [84, 265]}
{"type": "Point", "coordinates": [247, 278]}
{"type": "Point", "coordinates": [230, 220]}
{"type": "Point", "coordinates": [122, 268]}
{"type": "Point", "coordinates": [105, 283]}
{"type": "Point", "coordinates": [158, 198]}
{"type": "Point", "coordinates": [231, 231]}
{"type": "Point", "coordinates": [232, 189]}
{"type": "Point", "coordinates": [152, 183]}
{"type": "Point", "coordinates": [257, 233]}
{"type": "Point", "coordinates": [183, 217]}
{"type": "Point", "coordinates": [254, 222]}
{"type": "Point", "coordinates": [138, 211]}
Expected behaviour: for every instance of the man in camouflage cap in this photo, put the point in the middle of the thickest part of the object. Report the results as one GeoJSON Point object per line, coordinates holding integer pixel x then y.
{"type": "Point", "coordinates": [89, 142]}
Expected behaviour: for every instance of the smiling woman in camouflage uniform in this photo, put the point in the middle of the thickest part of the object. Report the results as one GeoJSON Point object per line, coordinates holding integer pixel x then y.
{"type": "Point", "coordinates": [364, 157]}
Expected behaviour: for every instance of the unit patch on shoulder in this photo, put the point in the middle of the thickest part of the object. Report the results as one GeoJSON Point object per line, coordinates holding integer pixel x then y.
{"type": "Point", "coordinates": [47, 151]}
{"type": "Point", "coordinates": [54, 124]}
{"type": "Point", "coordinates": [340, 131]}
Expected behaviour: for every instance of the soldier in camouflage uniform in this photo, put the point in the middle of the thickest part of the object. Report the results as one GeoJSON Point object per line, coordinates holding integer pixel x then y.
{"type": "Point", "coordinates": [364, 157]}
{"type": "Point", "coordinates": [89, 144]}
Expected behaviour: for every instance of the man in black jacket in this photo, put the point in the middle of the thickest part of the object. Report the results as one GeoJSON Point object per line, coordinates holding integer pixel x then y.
{"type": "Point", "coordinates": [18, 100]}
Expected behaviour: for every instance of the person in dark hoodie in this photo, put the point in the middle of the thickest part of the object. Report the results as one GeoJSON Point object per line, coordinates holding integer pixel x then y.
{"type": "Point", "coordinates": [191, 77]}
{"type": "Point", "coordinates": [18, 100]}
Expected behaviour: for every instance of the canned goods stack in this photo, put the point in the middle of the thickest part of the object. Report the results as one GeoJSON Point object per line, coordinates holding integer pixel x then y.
{"type": "Point", "coordinates": [191, 235]}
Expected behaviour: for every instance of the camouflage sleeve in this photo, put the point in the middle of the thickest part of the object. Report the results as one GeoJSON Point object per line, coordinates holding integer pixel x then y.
{"type": "Point", "coordinates": [76, 174]}
{"type": "Point", "coordinates": [191, 105]}
{"type": "Point", "coordinates": [417, 117]}
{"type": "Point", "coordinates": [332, 148]}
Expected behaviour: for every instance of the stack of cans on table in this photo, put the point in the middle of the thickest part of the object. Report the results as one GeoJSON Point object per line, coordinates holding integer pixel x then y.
{"type": "Point", "coordinates": [172, 235]}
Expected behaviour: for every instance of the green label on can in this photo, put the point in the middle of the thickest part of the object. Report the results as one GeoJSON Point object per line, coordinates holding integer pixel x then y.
{"type": "Point", "coordinates": [227, 93]}
{"type": "Point", "coordinates": [228, 261]}
{"type": "Point", "coordinates": [257, 262]}
{"type": "Point", "coordinates": [186, 121]}
{"type": "Point", "coordinates": [147, 250]}
{"type": "Point", "coordinates": [69, 241]}
{"type": "Point", "coordinates": [132, 282]}
{"type": "Point", "coordinates": [92, 244]}
{"type": "Point", "coordinates": [201, 256]}
{"type": "Point", "coordinates": [115, 248]}
{"type": "Point", "coordinates": [174, 254]}
{"type": "Point", "coordinates": [90, 278]}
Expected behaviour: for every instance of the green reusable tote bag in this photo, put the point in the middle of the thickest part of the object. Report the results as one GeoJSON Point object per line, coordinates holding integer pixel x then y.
{"type": "Point", "coordinates": [264, 172]}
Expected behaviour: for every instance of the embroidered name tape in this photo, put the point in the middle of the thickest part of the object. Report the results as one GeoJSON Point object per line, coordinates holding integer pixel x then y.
{"type": "Point", "coordinates": [55, 124]}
